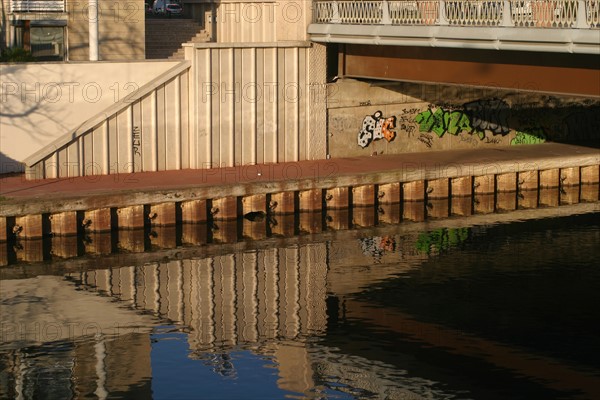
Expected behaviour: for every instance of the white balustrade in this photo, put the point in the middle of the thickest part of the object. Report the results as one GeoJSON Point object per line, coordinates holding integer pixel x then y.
{"type": "Point", "coordinates": [37, 6]}
{"type": "Point", "coordinates": [522, 13]}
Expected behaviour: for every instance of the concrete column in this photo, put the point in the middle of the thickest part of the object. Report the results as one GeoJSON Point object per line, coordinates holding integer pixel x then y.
{"type": "Point", "coordinates": [363, 195]}
{"type": "Point", "coordinates": [193, 211]}
{"type": "Point", "coordinates": [462, 186]}
{"type": "Point", "coordinates": [131, 217]}
{"type": "Point", "coordinates": [569, 176]}
{"type": "Point", "coordinates": [224, 208]}
{"type": "Point", "coordinates": [93, 16]}
{"type": "Point", "coordinates": [337, 198]}
{"type": "Point", "coordinates": [389, 193]}
{"type": "Point", "coordinates": [29, 226]}
{"type": "Point", "coordinates": [97, 220]}
{"type": "Point", "coordinates": [590, 174]}
{"type": "Point", "coordinates": [254, 203]}
{"type": "Point", "coordinates": [64, 223]}
{"type": "Point", "coordinates": [413, 191]}
{"type": "Point", "coordinates": [282, 203]}
{"type": "Point", "coordinates": [310, 200]}
{"type": "Point", "coordinates": [549, 178]}
{"type": "Point", "coordinates": [163, 214]}
{"type": "Point", "coordinates": [3, 230]}
{"type": "Point", "coordinates": [506, 182]}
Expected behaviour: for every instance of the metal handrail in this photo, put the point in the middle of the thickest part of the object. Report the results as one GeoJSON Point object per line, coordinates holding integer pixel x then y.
{"type": "Point", "coordinates": [516, 13]}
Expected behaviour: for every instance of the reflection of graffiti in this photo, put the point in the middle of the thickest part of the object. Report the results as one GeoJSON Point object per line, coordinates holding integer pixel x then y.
{"type": "Point", "coordinates": [376, 127]}
{"type": "Point", "coordinates": [441, 239]}
{"type": "Point", "coordinates": [533, 137]}
{"type": "Point", "coordinates": [377, 246]}
{"type": "Point", "coordinates": [489, 115]}
{"type": "Point", "coordinates": [442, 121]}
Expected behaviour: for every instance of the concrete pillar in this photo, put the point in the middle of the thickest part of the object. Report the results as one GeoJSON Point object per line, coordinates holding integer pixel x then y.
{"type": "Point", "coordinates": [363, 216]}
{"type": "Point", "coordinates": [506, 201]}
{"type": "Point", "coordinates": [461, 205]}
{"type": "Point", "coordinates": [164, 236]}
{"type": "Point", "coordinates": [549, 178]}
{"type": "Point", "coordinates": [389, 193]}
{"type": "Point", "coordinates": [337, 198]}
{"type": "Point", "coordinates": [282, 203]}
{"type": "Point", "coordinates": [589, 192]}
{"type": "Point", "coordinates": [413, 211]}
{"type": "Point", "coordinates": [337, 219]}
{"type": "Point", "coordinates": [31, 250]}
{"type": "Point", "coordinates": [193, 211]}
{"type": "Point", "coordinates": [569, 176]}
{"type": "Point", "coordinates": [483, 203]}
{"type": "Point", "coordinates": [527, 199]}
{"type": "Point", "coordinates": [98, 243]}
{"type": "Point", "coordinates": [549, 196]}
{"type": "Point", "coordinates": [254, 230]}
{"type": "Point", "coordinates": [224, 208]}
{"type": "Point", "coordinates": [413, 191]}
{"type": "Point", "coordinates": [163, 214]}
{"type": "Point", "coordinates": [64, 246]}
{"type": "Point", "coordinates": [389, 213]}
{"type": "Point", "coordinates": [310, 200]}
{"type": "Point", "coordinates": [483, 188]}
{"type": "Point", "coordinates": [363, 195]}
{"type": "Point", "coordinates": [283, 225]}
{"type": "Point", "coordinates": [3, 230]}
{"type": "Point", "coordinates": [132, 240]}
{"type": "Point", "coordinates": [506, 182]}
{"type": "Point", "coordinates": [97, 220]}
{"type": "Point", "coordinates": [3, 254]}
{"type": "Point", "coordinates": [30, 226]}
{"type": "Point", "coordinates": [438, 208]}
{"type": "Point", "coordinates": [225, 231]}
{"type": "Point", "coordinates": [310, 222]}
{"type": "Point", "coordinates": [131, 217]}
{"type": "Point", "coordinates": [462, 186]}
{"type": "Point", "coordinates": [437, 189]}
{"type": "Point", "coordinates": [590, 174]}
{"type": "Point", "coordinates": [528, 180]}
{"type": "Point", "coordinates": [195, 234]}
{"type": "Point", "coordinates": [64, 223]}
{"type": "Point", "coordinates": [254, 203]}
{"type": "Point", "coordinates": [483, 184]}
{"type": "Point", "coordinates": [569, 195]}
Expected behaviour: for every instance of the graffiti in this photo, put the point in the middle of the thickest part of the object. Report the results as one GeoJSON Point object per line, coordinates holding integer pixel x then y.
{"type": "Point", "coordinates": [441, 240]}
{"type": "Point", "coordinates": [441, 121]}
{"type": "Point", "coordinates": [376, 127]}
{"type": "Point", "coordinates": [365, 103]}
{"type": "Point", "coordinates": [534, 137]}
{"type": "Point", "coordinates": [426, 139]}
{"type": "Point", "coordinates": [489, 115]}
{"type": "Point", "coordinates": [137, 140]}
{"type": "Point", "coordinates": [377, 246]}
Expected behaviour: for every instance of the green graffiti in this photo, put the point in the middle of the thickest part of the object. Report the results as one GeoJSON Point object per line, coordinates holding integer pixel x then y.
{"type": "Point", "coordinates": [441, 121]}
{"type": "Point", "coordinates": [441, 239]}
{"type": "Point", "coordinates": [534, 136]}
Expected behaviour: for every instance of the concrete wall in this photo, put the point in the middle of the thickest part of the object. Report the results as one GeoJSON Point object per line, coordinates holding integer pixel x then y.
{"type": "Point", "coordinates": [40, 103]}
{"type": "Point", "coordinates": [262, 21]}
{"type": "Point", "coordinates": [121, 30]}
{"type": "Point", "coordinates": [379, 117]}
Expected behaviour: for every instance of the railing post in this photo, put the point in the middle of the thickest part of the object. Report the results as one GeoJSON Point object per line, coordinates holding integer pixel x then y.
{"type": "Point", "coordinates": [335, 19]}
{"type": "Point", "coordinates": [506, 13]}
{"type": "Point", "coordinates": [385, 17]}
{"type": "Point", "coordinates": [442, 13]}
{"type": "Point", "coordinates": [581, 22]}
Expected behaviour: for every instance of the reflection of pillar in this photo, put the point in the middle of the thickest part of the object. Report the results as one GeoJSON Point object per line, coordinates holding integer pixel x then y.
{"type": "Point", "coordinates": [225, 298]}
{"type": "Point", "coordinates": [288, 292]}
{"type": "Point", "coordinates": [246, 285]}
{"type": "Point", "coordinates": [201, 302]}
{"type": "Point", "coordinates": [313, 287]}
{"type": "Point", "coordinates": [267, 295]}
{"type": "Point", "coordinates": [100, 351]}
{"type": "Point", "coordinates": [295, 368]}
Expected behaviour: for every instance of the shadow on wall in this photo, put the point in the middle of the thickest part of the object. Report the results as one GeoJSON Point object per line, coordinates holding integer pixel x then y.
{"type": "Point", "coordinates": [562, 119]}
{"type": "Point", "coordinates": [9, 165]}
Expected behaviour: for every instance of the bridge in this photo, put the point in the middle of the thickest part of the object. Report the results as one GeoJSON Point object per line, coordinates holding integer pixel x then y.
{"type": "Point", "coordinates": [539, 45]}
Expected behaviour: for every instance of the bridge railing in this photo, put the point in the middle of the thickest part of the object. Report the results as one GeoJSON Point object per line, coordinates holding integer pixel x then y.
{"type": "Point", "coordinates": [37, 6]}
{"type": "Point", "coordinates": [517, 13]}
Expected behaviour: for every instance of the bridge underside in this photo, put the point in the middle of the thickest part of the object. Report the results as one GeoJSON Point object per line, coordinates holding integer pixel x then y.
{"type": "Point", "coordinates": [570, 74]}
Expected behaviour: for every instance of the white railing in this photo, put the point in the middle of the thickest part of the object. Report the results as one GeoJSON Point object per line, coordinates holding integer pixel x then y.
{"type": "Point", "coordinates": [37, 6]}
{"type": "Point", "coordinates": [518, 13]}
{"type": "Point", "coordinates": [474, 12]}
{"type": "Point", "coordinates": [360, 12]}
{"type": "Point", "coordinates": [414, 12]}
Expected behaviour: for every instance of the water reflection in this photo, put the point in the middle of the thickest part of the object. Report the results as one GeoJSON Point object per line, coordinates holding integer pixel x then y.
{"type": "Point", "coordinates": [440, 312]}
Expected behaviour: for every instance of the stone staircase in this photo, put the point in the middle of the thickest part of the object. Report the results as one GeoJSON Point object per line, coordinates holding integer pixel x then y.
{"type": "Point", "coordinates": [164, 36]}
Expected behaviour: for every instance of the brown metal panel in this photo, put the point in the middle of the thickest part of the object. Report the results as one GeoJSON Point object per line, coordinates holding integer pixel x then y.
{"type": "Point", "coordinates": [532, 71]}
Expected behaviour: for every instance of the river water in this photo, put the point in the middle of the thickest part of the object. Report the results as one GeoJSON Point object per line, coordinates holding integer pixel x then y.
{"type": "Point", "coordinates": [466, 309]}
